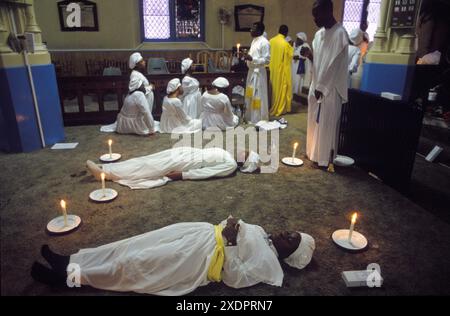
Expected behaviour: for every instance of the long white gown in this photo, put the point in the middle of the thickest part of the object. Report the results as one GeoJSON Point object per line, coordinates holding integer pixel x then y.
{"type": "Point", "coordinates": [149, 92]}
{"type": "Point", "coordinates": [354, 56]}
{"type": "Point", "coordinates": [298, 80]}
{"type": "Point", "coordinates": [191, 97]}
{"type": "Point", "coordinates": [150, 171]}
{"type": "Point", "coordinates": [135, 116]}
{"type": "Point", "coordinates": [330, 76]}
{"type": "Point", "coordinates": [174, 260]}
{"type": "Point", "coordinates": [217, 111]}
{"type": "Point", "coordinates": [175, 120]}
{"type": "Point", "coordinates": [257, 79]}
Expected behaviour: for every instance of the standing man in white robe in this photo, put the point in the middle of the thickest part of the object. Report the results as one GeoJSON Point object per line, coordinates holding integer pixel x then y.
{"type": "Point", "coordinates": [138, 66]}
{"type": "Point", "coordinates": [329, 86]}
{"type": "Point", "coordinates": [177, 259]}
{"type": "Point", "coordinates": [300, 65]}
{"type": "Point", "coordinates": [217, 109]}
{"type": "Point", "coordinates": [256, 94]}
{"type": "Point", "coordinates": [191, 91]}
{"type": "Point", "coordinates": [173, 118]}
{"type": "Point", "coordinates": [354, 53]}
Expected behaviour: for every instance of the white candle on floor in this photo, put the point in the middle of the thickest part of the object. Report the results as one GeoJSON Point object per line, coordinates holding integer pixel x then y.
{"type": "Point", "coordinates": [110, 148]}
{"type": "Point", "coordinates": [295, 151]}
{"type": "Point", "coordinates": [64, 210]}
{"type": "Point", "coordinates": [238, 47]}
{"type": "Point", "coordinates": [352, 227]}
{"type": "Point", "coordinates": [103, 183]}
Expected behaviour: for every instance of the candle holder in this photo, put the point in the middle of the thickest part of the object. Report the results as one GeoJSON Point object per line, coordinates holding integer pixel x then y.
{"type": "Point", "coordinates": [292, 162]}
{"type": "Point", "coordinates": [110, 157]}
{"type": "Point", "coordinates": [103, 195]}
{"type": "Point", "coordinates": [56, 226]}
{"type": "Point", "coordinates": [357, 243]}
{"type": "Point", "coordinates": [343, 161]}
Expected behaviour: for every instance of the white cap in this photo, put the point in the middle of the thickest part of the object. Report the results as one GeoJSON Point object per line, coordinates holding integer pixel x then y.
{"type": "Point", "coordinates": [221, 82]}
{"type": "Point", "coordinates": [302, 36]}
{"type": "Point", "coordinates": [356, 36]}
{"type": "Point", "coordinates": [135, 58]}
{"type": "Point", "coordinates": [186, 64]}
{"type": "Point", "coordinates": [303, 255]}
{"type": "Point", "coordinates": [173, 85]}
{"type": "Point", "coordinates": [135, 84]}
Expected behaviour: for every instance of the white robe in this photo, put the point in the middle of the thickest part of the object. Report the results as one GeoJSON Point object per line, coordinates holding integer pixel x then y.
{"type": "Point", "coordinates": [330, 76]}
{"type": "Point", "coordinates": [191, 97]}
{"type": "Point", "coordinates": [174, 260]}
{"type": "Point", "coordinates": [149, 93]}
{"type": "Point", "coordinates": [175, 120]}
{"type": "Point", "coordinates": [299, 80]}
{"type": "Point", "coordinates": [354, 56]}
{"type": "Point", "coordinates": [217, 111]}
{"type": "Point", "coordinates": [257, 79]}
{"type": "Point", "coordinates": [150, 171]}
{"type": "Point", "coordinates": [135, 116]}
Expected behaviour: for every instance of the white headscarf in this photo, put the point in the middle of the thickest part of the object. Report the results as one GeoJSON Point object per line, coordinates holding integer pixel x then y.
{"type": "Point", "coordinates": [135, 58]}
{"type": "Point", "coordinates": [303, 255]}
{"type": "Point", "coordinates": [221, 82]}
{"type": "Point", "coordinates": [302, 36]}
{"type": "Point", "coordinates": [356, 36]}
{"type": "Point", "coordinates": [186, 64]}
{"type": "Point", "coordinates": [251, 165]}
{"type": "Point", "coordinates": [173, 85]}
{"type": "Point", "coordinates": [135, 84]}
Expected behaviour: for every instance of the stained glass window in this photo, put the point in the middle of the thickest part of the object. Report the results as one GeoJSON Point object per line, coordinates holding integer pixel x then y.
{"type": "Point", "coordinates": [354, 13]}
{"type": "Point", "coordinates": [173, 20]}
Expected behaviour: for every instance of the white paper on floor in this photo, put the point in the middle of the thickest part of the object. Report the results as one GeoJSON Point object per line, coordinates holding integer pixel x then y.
{"type": "Point", "coordinates": [65, 146]}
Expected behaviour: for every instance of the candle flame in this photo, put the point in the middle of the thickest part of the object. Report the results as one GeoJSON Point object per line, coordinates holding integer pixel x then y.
{"type": "Point", "coordinates": [295, 145]}
{"type": "Point", "coordinates": [103, 176]}
{"type": "Point", "coordinates": [110, 142]}
{"type": "Point", "coordinates": [354, 217]}
{"type": "Point", "coordinates": [63, 204]}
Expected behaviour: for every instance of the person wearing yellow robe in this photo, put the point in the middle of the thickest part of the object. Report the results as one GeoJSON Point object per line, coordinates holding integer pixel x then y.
{"type": "Point", "coordinates": [282, 54]}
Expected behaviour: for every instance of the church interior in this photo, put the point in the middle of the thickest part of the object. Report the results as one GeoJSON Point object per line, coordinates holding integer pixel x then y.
{"type": "Point", "coordinates": [64, 76]}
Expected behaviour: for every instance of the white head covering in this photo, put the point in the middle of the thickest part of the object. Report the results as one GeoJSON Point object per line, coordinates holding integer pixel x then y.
{"type": "Point", "coordinates": [251, 164]}
{"type": "Point", "coordinates": [135, 58]}
{"type": "Point", "coordinates": [288, 39]}
{"type": "Point", "coordinates": [186, 64]}
{"type": "Point", "coordinates": [221, 82]}
{"type": "Point", "coordinates": [356, 36]}
{"type": "Point", "coordinates": [265, 34]}
{"type": "Point", "coordinates": [303, 255]}
{"type": "Point", "coordinates": [135, 84]}
{"type": "Point", "coordinates": [302, 36]}
{"type": "Point", "coordinates": [173, 85]}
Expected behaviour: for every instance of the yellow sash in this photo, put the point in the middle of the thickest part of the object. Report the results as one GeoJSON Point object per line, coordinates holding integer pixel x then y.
{"type": "Point", "coordinates": [216, 265]}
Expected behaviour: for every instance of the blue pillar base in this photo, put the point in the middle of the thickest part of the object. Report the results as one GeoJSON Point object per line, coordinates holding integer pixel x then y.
{"type": "Point", "coordinates": [378, 78]}
{"type": "Point", "coordinates": [19, 130]}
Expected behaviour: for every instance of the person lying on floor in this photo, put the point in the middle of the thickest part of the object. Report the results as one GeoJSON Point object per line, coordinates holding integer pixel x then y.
{"type": "Point", "coordinates": [181, 163]}
{"type": "Point", "coordinates": [177, 259]}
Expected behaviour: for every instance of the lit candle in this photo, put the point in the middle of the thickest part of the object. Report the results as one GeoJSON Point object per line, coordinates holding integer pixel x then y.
{"type": "Point", "coordinates": [295, 151]}
{"type": "Point", "coordinates": [64, 210]}
{"type": "Point", "coordinates": [103, 183]}
{"type": "Point", "coordinates": [352, 227]}
{"type": "Point", "coordinates": [238, 47]}
{"type": "Point", "coordinates": [110, 148]}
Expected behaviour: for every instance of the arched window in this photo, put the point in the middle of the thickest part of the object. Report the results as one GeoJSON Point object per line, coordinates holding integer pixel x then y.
{"type": "Point", "coordinates": [357, 11]}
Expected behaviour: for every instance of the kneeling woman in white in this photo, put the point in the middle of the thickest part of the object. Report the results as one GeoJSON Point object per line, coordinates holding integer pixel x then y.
{"type": "Point", "coordinates": [173, 118]}
{"type": "Point", "coordinates": [217, 109]}
{"type": "Point", "coordinates": [191, 91]}
{"type": "Point", "coordinates": [135, 117]}
{"type": "Point", "coordinates": [177, 259]}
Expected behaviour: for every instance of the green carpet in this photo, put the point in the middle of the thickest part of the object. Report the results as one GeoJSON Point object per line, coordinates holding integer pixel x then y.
{"type": "Point", "coordinates": [410, 244]}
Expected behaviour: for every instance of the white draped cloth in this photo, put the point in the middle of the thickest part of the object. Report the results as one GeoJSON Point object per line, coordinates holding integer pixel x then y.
{"type": "Point", "coordinates": [330, 76]}
{"type": "Point", "coordinates": [174, 260]}
{"type": "Point", "coordinates": [135, 116]}
{"type": "Point", "coordinates": [257, 79]}
{"type": "Point", "coordinates": [175, 120]}
{"type": "Point", "coordinates": [354, 55]}
{"type": "Point", "coordinates": [191, 97]}
{"type": "Point", "coordinates": [298, 80]}
{"type": "Point", "coordinates": [150, 171]}
{"type": "Point", "coordinates": [217, 111]}
{"type": "Point", "coordinates": [136, 75]}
